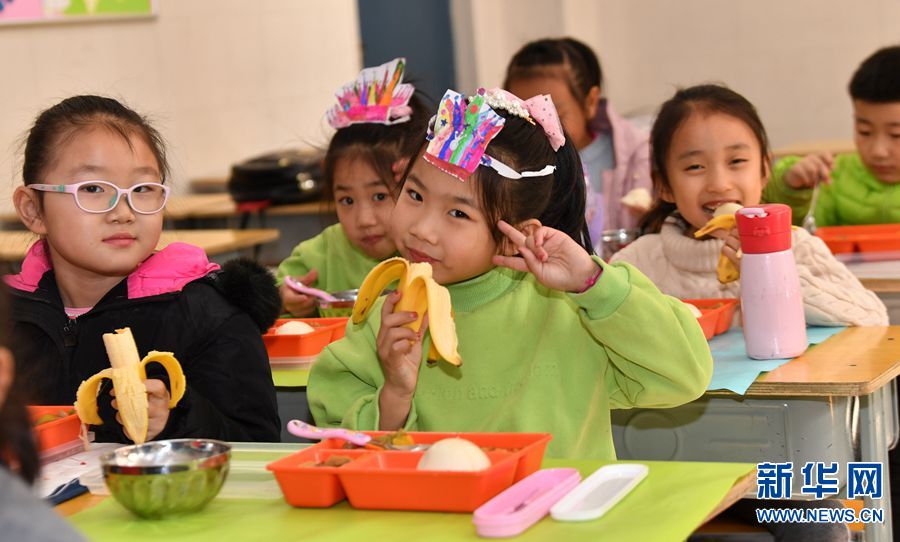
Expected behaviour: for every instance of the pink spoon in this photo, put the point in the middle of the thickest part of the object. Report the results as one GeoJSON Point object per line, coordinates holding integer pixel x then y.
{"type": "Point", "coordinates": [299, 287]}
{"type": "Point", "coordinates": [305, 430]}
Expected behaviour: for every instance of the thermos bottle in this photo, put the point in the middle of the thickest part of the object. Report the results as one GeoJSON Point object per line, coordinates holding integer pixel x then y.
{"type": "Point", "coordinates": [771, 301]}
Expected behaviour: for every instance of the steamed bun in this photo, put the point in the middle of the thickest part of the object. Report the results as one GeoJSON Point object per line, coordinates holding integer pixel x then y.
{"type": "Point", "coordinates": [454, 454]}
{"type": "Point", "coordinates": [294, 327]}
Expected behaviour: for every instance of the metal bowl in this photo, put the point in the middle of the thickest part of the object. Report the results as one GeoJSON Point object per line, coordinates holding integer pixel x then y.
{"type": "Point", "coordinates": [340, 308]}
{"type": "Point", "coordinates": [612, 241]}
{"type": "Point", "coordinates": [166, 477]}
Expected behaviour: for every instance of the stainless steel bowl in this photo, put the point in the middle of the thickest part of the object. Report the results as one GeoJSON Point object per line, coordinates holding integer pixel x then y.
{"type": "Point", "coordinates": [612, 241]}
{"type": "Point", "coordinates": [340, 308]}
{"type": "Point", "coordinates": [166, 477]}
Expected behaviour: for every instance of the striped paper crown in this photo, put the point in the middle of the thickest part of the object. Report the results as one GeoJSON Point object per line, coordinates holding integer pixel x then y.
{"type": "Point", "coordinates": [377, 95]}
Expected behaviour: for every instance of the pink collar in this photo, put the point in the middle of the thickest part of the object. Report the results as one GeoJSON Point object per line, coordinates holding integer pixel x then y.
{"type": "Point", "coordinates": [166, 271]}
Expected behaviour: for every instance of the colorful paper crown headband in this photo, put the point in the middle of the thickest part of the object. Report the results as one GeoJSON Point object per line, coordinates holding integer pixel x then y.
{"type": "Point", "coordinates": [462, 129]}
{"type": "Point", "coordinates": [376, 96]}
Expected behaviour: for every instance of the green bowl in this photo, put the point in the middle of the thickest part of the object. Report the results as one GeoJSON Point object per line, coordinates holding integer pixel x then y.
{"type": "Point", "coordinates": [341, 308]}
{"type": "Point", "coordinates": [167, 477]}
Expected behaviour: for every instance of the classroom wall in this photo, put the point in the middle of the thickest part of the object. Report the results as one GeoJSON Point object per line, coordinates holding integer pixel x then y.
{"type": "Point", "coordinates": [225, 79]}
{"type": "Point", "coordinates": [791, 59]}
{"type": "Point", "coordinates": [222, 79]}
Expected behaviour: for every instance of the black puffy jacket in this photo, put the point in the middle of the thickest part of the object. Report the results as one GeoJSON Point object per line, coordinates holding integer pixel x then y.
{"type": "Point", "coordinates": [205, 322]}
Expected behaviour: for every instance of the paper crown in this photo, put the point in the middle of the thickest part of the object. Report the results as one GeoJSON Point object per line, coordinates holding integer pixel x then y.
{"type": "Point", "coordinates": [460, 133]}
{"type": "Point", "coordinates": [377, 95]}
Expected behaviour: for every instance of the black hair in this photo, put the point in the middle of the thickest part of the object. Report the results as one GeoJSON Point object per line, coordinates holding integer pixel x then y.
{"type": "Point", "coordinates": [877, 79]}
{"type": "Point", "coordinates": [557, 200]}
{"type": "Point", "coordinates": [709, 98]}
{"type": "Point", "coordinates": [378, 145]}
{"type": "Point", "coordinates": [17, 445]}
{"type": "Point", "coordinates": [580, 66]}
{"type": "Point", "coordinates": [55, 125]}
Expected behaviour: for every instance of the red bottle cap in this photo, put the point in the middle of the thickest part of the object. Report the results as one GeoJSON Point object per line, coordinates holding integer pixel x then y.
{"type": "Point", "coordinates": [764, 228]}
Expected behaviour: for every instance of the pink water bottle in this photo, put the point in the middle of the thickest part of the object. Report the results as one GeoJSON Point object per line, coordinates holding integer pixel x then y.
{"type": "Point", "coordinates": [771, 301]}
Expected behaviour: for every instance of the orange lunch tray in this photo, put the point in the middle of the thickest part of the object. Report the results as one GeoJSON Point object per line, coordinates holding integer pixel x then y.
{"type": "Point", "coordinates": [54, 433]}
{"type": "Point", "coordinates": [305, 485]}
{"type": "Point", "coordinates": [307, 346]}
{"type": "Point", "coordinates": [716, 314]}
{"type": "Point", "coordinates": [389, 479]}
{"type": "Point", "coordinates": [866, 238]}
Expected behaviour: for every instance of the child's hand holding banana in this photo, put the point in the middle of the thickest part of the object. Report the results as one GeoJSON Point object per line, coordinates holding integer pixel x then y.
{"type": "Point", "coordinates": [143, 404]}
{"type": "Point", "coordinates": [728, 268]}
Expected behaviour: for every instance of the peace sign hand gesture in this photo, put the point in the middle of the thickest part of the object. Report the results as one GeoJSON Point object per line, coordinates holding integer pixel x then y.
{"type": "Point", "coordinates": [553, 257]}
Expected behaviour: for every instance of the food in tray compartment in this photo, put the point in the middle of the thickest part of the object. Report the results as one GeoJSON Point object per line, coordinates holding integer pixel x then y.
{"type": "Point", "coordinates": [332, 461]}
{"type": "Point", "coordinates": [694, 310]}
{"type": "Point", "coordinates": [387, 441]}
{"type": "Point", "coordinates": [47, 418]}
{"type": "Point", "coordinates": [398, 438]}
{"type": "Point", "coordinates": [294, 327]}
{"type": "Point", "coordinates": [420, 294]}
{"type": "Point", "coordinates": [454, 454]}
{"type": "Point", "coordinates": [128, 373]}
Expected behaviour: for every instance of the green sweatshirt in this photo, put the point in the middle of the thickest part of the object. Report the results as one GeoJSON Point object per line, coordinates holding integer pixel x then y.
{"type": "Point", "coordinates": [340, 264]}
{"type": "Point", "coordinates": [534, 360]}
{"type": "Point", "coordinates": [855, 196]}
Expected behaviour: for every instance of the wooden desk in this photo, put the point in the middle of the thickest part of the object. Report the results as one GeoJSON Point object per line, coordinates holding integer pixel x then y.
{"type": "Point", "coordinates": [199, 206]}
{"type": "Point", "coordinates": [219, 205]}
{"type": "Point", "coordinates": [677, 507]}
{"type": "Point", "coordinates": [14, 244]}
{"type": "Point", "coordinates": [209, 184]}
{"type": "Point", "coordinates": [836, 403]}
{"type": "Point", "coordinates": [856, 362]}
{"type": "Point", "coordinates": [802, 148]}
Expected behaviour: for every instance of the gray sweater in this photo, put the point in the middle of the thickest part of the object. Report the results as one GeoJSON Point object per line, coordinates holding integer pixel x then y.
{"type": "Point", "coordinates": [26, 518]}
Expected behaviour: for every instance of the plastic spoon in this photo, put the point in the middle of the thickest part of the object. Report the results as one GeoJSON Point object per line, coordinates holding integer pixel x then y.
{"type": "Point", "coordinates": [809, 221]}
{"type": "Point", "coordinates": [299, 287]}
{"type": "Point", "coordinates": [305, 430]}
{"type": "Point", "coordinates": [309, 431]}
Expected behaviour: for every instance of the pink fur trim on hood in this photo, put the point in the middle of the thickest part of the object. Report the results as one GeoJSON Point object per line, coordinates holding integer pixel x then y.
{"type": "Point", "coordinates": [166, 271]}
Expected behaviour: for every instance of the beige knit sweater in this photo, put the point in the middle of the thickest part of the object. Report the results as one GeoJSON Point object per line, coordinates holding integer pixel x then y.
{"type": "Point", "coordinates": [684, 267]}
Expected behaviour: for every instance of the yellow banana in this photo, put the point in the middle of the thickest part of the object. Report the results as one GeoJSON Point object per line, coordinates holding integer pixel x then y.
{"type": "Point", "coordinates": [128, 374]}
{"type": "Point", "coordinates": [420, 293]}
{"type": "Point", "coordinates": [723, 219]}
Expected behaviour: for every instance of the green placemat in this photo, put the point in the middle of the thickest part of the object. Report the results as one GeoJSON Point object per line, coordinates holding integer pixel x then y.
{"type": "Point", "coordinates": [290, 378]}
{"type": "Point", "coordinates": [668, 505]}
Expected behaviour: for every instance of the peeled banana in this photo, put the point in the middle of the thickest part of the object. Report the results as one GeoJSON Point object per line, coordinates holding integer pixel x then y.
{"type": "Point", "coordinates": [723, 219]}
{"type": "Point", "coordinates": [128, 373]}
{"type": "Point", "coordinates": [420, 293]}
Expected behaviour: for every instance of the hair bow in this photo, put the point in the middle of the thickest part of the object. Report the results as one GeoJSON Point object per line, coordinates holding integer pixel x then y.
{"type": "Point", "coordinates": [540, 108]}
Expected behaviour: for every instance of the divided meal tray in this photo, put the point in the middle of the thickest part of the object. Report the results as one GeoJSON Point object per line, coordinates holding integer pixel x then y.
{"type": "Point", "coordinates": [296, 350]}
{"type": "Point", "coordinates": [863, 238]}
{"type": "Point", "coordinates": [716, 314]}
{"type": "Point", "coordinates": [389, 479]}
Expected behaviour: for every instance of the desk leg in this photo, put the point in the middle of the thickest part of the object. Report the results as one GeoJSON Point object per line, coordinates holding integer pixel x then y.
{"type": "Point", "coordinates": [876, 422]}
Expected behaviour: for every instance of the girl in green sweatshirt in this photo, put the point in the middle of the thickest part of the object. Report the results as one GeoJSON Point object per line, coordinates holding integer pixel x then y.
{"type": "Point", "coordinates": [551, 337]}
{"type": "Point", "coordinates": [370, 147]}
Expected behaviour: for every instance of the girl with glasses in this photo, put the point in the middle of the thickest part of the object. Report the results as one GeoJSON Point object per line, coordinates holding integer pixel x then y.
{"type": "Point", "coordinates": [94, 189]}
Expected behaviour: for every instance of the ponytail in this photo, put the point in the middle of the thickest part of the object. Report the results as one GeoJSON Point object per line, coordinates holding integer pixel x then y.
{"type": "Point", "coordinates": [565, 207]}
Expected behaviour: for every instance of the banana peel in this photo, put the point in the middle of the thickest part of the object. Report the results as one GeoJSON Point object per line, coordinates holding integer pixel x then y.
{"type": "Point", "coordinates": [723, 219]}
{"type": "Point", "coordinates": [419, 293]}
{"type": "Point", "coordinates": [128, 374]}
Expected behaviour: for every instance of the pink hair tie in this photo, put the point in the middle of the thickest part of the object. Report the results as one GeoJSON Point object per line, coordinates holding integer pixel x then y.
{"type": "Point", "coordinates": [591, 281]}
